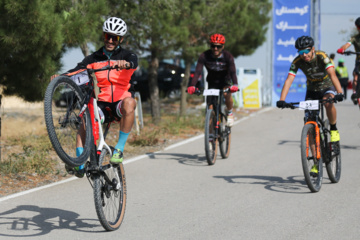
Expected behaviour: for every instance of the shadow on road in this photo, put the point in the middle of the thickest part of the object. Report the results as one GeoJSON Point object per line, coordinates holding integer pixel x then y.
{"type": "Point", "coordinates": [187, 159]}
{"type": "Point", "coordinates": [292, 184]}
{"type": "Point", "coordinates": [43, 221]}
{"type": "Point", "coordinates": [291, 142]}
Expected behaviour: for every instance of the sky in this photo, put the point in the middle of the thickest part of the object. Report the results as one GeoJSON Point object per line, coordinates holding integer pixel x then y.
{"type": "Point", "coordinates": [336, 19]}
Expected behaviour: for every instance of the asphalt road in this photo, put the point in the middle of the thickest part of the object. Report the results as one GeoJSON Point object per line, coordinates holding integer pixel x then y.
{"type": "Point", "coordinates": [259, 192]}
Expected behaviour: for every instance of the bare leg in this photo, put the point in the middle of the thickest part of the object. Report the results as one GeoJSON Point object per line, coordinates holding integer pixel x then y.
{"type": "Point", "coordinates": [330, 110]}
{"type": "Point", "coordinates": [128, 114]}
{"type": "Point", "coordinates": [228, 101]}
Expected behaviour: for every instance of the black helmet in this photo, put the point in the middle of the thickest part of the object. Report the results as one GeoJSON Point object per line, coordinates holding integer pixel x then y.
{"type": "Point", "coordinates": [304, 42]}
{"type": "Point", "coordinates": [357, 22]}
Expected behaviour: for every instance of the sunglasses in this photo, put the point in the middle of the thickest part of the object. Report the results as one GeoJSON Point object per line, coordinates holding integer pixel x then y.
{"type": "Point", "coordinates": [216, 46]}
{"type": "Point", "coordinates": [112, 37]}
{"type": "Point", "coordinates": [306, 51]}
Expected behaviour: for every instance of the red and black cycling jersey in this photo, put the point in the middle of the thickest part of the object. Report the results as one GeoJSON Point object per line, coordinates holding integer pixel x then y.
{"type": "Point", "coordinates": [114, 85]}
{"type": "Point", "coordinates": [221, 69]}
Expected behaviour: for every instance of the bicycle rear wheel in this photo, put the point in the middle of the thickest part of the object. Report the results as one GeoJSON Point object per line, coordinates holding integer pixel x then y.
{"type": "Point", "coordinates": [308, 158]}
{"type": "Point", "coordinates": [62, 104]}
{"type": "Point", "coordinates": [333, 163]}
{"type": "Point", "coordinates": [211, 140]}
{"type": "Point", "coordinates": [110, 193]}
{"type": "Point", "coordinates": [225, 137]}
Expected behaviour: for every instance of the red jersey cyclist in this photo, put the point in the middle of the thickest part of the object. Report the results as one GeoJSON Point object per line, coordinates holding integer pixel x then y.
{"type": "Point", "coordinates": [115, 97]}
{"type": "Point", "coordinates": [355, 40]}
{"type": "Point", "coordinates": [221, 71]}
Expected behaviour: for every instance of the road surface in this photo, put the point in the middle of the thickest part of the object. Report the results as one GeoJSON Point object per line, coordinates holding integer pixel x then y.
{"type": "Point", "coordinates": [257, 193]}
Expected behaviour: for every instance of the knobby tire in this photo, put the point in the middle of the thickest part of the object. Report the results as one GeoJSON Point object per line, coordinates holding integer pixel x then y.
{"type": "Point", "coordinates": [225, 137]}
{"type": "Point", "coordinates": [308, 157]}
{"type": "Point", "coordinates": [62, 103]}
{"type": "Point", "coordinates": [109, 202]}
{"type": "Point", "coordinates": [333, 163]}
{"type": "Point", "coordinates": [211, 140]}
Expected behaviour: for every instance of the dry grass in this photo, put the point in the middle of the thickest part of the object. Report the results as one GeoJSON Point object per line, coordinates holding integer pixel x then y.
{"type": "Point", "coordinates": [27, 157]}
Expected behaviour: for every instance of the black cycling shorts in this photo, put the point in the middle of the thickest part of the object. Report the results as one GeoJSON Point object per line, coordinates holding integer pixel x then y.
{"type": "Point", "coordinates": [111, 111]}
{"type": "Point", "coordinates": [317, 95]}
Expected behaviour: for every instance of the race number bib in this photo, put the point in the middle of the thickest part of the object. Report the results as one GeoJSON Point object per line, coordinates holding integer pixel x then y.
{"type": "Point", "coordinates": [80, 78]}
{"type": "Point", "coordinates": [211, 92]}
{"type": "Point", "coordinates": [309, 105]}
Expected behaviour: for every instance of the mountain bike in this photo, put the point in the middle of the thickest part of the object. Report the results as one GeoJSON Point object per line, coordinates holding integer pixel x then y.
{"type": "Point", "coordinates": [356, 96]}
{"type": "Point", "coordinates": [71, 112]}
{"type": "Point", "coordinates": [216, 129]}
{"type": "Point", "coordinates": [316, 148]}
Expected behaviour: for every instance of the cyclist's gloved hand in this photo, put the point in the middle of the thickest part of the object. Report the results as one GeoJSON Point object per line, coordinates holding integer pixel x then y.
{"type": "Point", "coordinates": [191, 90]}
{"type": "Point", "coordinates": [234, 88]}
{"type": "Point", "coordinates": [339, 97]}
{"type": "Point", "coordinates": [280, 104]}
{"type": "Point", "coordinates": [341, 51]}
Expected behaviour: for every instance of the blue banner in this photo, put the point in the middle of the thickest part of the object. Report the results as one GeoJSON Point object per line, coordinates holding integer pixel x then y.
{"type": "Point", "coordinates": [291, 19]}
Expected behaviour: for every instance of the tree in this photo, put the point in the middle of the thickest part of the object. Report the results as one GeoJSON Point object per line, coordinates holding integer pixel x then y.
{"type": "Point", "coordinates": [83, 20]}
{"type": "Point", "coordinates": [34, 35]}
{"type": "Point", "coordinates": [161, 27]}
{"type": "Point", "coordinates": [242, 22]}
{"type": "Point", "coordinates": [31, 46]}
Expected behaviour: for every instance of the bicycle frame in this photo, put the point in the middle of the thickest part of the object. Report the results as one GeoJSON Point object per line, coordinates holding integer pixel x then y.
{"type": "Point", "coordinates": [316, 117]}
{"type": "Point", "coordinates": [97, 129]}
{"type": "Point", "coordinates": [217, 101]}
{"type": "Point", "coordinates": [91, 103]}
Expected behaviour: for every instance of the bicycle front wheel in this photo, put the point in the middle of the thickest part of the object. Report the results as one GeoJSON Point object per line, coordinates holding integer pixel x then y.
{"type": "Point", "coordinates": [225, 137]}
{"type": "Point", "coordinates": [333, 163]}
{"type": "Point", "coordinates": [62, 104]}
{"type": "Point", "coordinates": [211, 140]}
{"type": "Point", "coordinates": [313, 178]}
{"type": "Point", "coordinates": [110, 193]}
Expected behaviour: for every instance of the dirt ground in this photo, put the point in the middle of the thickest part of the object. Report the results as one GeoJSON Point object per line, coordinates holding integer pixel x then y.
{"type": "Point", "coordinates": [23, 118]}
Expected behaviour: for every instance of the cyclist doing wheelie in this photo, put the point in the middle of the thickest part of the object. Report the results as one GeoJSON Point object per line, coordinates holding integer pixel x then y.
{"type": "Point", "coordinates": [354, 40]}
{"type": "Point", "coordinates": [115, 99]}
{"type": "Point", "coordinates": [221, 71]}
{"type": "Point", "coordinates": [322, 82]}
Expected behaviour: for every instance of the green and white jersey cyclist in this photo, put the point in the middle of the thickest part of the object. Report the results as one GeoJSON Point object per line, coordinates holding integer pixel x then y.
{"type": "Point", "coordinates": [315, 70]}
{"type": "Point", "coordinates": [322, 81]}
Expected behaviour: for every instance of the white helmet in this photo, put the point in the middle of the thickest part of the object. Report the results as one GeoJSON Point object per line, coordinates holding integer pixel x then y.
{"type": "Point", "coordinates": [115, 26]}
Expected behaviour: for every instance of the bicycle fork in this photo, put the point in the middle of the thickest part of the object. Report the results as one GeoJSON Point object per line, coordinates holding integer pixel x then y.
{"type": "Point", "coordinates": [317, 141]}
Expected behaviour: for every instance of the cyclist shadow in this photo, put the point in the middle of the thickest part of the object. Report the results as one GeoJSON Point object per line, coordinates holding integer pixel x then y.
{"type": "Point", "coordinates": [289, 142]}
{"type": "Point", "coordinates": [351, 147]}
{"type": "Point", "coordinates": [292, 184]}
{"type": "Point", "coordinates": [43, 222]}
{"type": "Point", "coordinates": [187, 159]}
{"type": "Point", "coordinates": [342, 146]}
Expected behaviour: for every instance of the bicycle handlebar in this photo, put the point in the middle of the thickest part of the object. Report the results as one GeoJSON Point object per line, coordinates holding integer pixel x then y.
{"type": "Point", "coordinates": [293, 105]}
{"type": "Point", "coordinates": [90, 70]}
{"type": "Point", "coordinates": [198, 91]}
{"type": "Point", "coordinates": [350, 52]}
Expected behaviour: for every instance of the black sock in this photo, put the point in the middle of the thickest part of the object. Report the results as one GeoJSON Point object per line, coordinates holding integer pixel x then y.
{"type": "Point", "coordinates": [333, 127]}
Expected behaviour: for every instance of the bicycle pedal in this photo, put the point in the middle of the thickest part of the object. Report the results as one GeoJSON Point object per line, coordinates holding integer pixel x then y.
{"type": "Point", "coordinates": [69, 170]}
{"type": "Point", "coordinates": [313, 174]}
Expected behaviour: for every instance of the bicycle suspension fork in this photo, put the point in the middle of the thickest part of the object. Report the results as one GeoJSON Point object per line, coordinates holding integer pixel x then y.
{"type": "Point", "coordinates": [317, 140]}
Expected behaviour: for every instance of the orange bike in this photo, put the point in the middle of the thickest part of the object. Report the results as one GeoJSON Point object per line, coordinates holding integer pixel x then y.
{"type": "Point", "coordinates": [316, 147]}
